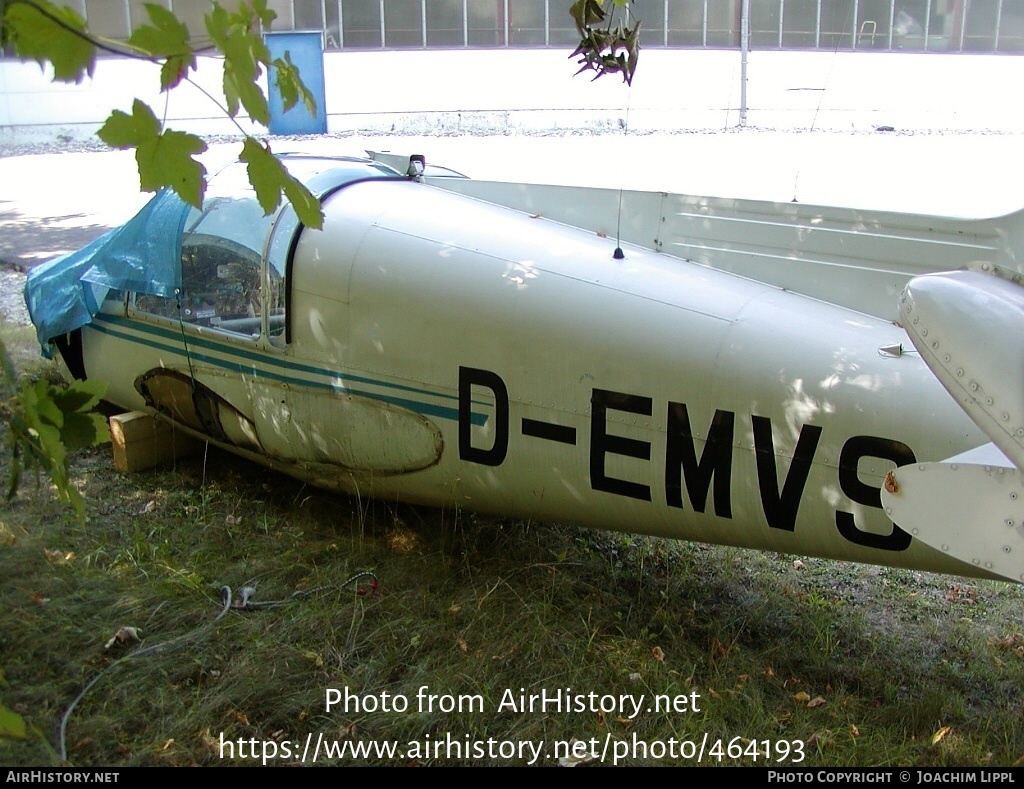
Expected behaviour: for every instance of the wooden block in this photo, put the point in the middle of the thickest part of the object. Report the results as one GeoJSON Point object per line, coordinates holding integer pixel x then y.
{"type": "Point", "coordinates": [142, 441]}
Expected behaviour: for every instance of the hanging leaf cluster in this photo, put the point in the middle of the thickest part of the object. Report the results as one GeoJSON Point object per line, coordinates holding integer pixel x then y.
{"type": "Point", "coordinates": [49, 34]}
{"type": "Point", "coordinates": [606, 46]}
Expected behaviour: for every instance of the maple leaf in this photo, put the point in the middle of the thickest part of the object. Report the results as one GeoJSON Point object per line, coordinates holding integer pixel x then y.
{"type": "Point", "coordinates": [256, 11]}
{"type": "Point", "coordinates": [165, 158]}
{"type": "Point", "coordinates": [166, 38]}
{"type": "Point", "coordinates": [245, 54]}
{"type": "Point", "coordinates": [270, 178]}
{"type": "Point", "coordinates": [51, 34]}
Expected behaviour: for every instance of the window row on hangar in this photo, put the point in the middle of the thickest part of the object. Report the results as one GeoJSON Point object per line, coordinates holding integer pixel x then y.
{"type": "Point", "coordinates": [886, 25]}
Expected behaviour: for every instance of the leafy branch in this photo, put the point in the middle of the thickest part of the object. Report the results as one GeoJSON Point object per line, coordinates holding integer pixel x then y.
{"type": "Point", "coordinates": [56, 35]}
{"type": "Point", "coordinates": [46, 422]}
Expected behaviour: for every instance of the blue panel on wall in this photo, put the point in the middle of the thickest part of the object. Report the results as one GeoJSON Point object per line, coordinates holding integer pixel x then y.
{"type": "Point", "coordinates": [306, 52]}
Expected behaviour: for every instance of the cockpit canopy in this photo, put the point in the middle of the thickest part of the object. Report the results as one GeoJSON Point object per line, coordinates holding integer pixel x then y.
{"type": "Point", "coordinates": [221, 266]}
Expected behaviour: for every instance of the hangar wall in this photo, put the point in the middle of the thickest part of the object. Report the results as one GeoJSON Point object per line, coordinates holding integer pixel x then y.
{"type": "Point", "coordinates": [504, 91]}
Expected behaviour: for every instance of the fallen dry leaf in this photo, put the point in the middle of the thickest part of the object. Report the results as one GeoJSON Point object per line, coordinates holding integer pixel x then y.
{"type": "Point", "coordinates": [803, 697]}
{"type": "Point", "coordinates": [659, 654]}
{"type": "Point", "coordinates": [126, 635]}
{"type": "Point", "coordinates": [940, 734]}
{"type": "Point", "coordinates": [402, 540]}
{"type": "Point", "coordinates": [579, 755]}
{"type": "Point", "coordinates": [961, 592]}
{"type": "Point", "coordinates": [817, 701]}
{"type": "Point", "coordinates": [347, 732]}
{"type": "Point", "coordinates": [1009, 642]}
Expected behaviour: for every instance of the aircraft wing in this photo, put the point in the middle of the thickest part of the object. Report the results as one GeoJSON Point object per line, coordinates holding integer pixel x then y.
{"type": "Point", "coordinates": [855, 258]}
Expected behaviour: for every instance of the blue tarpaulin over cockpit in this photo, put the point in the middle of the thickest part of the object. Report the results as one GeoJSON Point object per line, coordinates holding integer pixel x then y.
{"type": "Point", "coordinates": [143, 255]}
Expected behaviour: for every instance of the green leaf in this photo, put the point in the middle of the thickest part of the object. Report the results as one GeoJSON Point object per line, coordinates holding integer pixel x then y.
{"type": "Point", "coordinates": [84, 430]}
{"type": "Point", "coordinates": [39, 408]}
{"type": "Point", "coordinates": [270, 178]}
{"type": "Point", "coordinates": [305, 204]}
{"type": "Point", "coordinates": [122, 130]}
{"type": "Point", "coordinates": [245, 55]}
{"type": "Point", "coordinates": [12, 725]}
{"type": "Point", "coordinates": [80, 396]}
{"type": "Point", "coordinates": [263, 14]}
{"type": "Point", "coordinates": [291, 86]}
{"type": "Point", "coordinates": [164, 158]}
{"type": "Point", "coordinates": [166, 38]}
{"type": "Point", "coordinates": [168, 161]}
{"type": "Point", "coordinates": [50, 34]}
{"type": "Point", "coordinates": [51, 446]}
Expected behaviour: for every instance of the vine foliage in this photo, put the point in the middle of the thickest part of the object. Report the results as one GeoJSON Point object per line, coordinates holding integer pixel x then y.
{"type": "Point", "coordinates": [46, 422]}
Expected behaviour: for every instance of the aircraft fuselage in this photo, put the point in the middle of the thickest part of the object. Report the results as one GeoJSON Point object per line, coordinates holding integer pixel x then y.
{"type": "Point", "coordinates": [445, 351]}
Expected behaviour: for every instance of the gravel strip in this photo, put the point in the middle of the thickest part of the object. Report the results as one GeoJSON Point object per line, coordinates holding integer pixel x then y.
{"type": "Point", "coordinates": [12, 299]}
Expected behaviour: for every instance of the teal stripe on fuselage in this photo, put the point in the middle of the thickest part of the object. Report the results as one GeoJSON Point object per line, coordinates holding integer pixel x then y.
{"type": "Point", "coordinates": [271, 360]}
